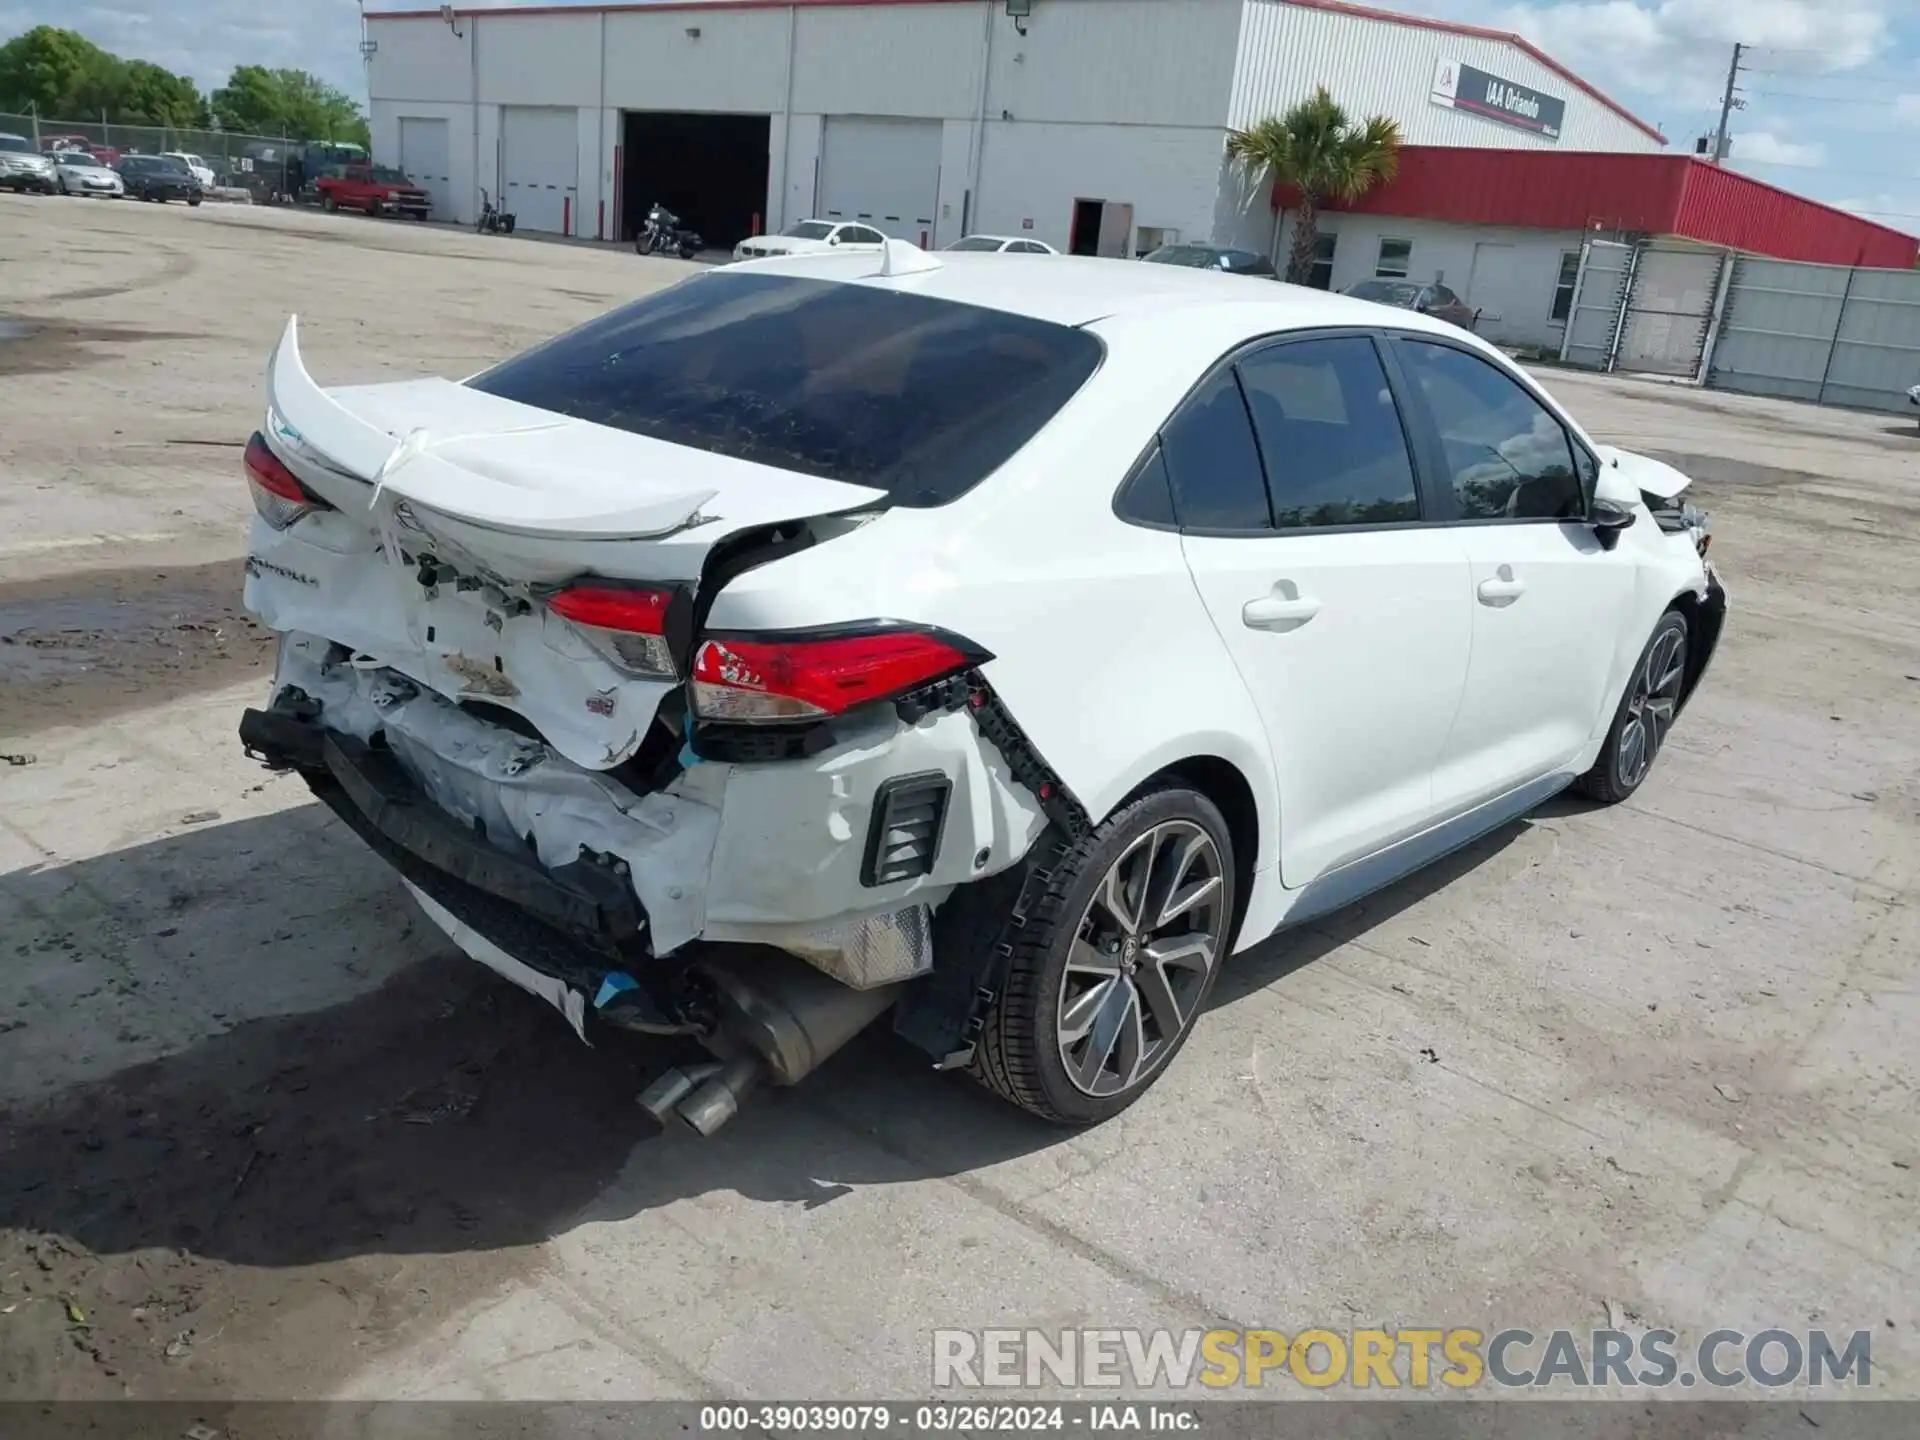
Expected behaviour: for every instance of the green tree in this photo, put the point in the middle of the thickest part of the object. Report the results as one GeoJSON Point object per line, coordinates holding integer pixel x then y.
{"type": "Point", "coordinates": [55, 72]}
{"type": "Point", "coordinates": [1318, 151]}
{"type": "Point", "coordinates": [153, 96]}
{"type": "Point", "coordinates": [292, 103]}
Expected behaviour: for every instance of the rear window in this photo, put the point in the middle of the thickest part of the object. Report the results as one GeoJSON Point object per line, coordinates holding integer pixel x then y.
{"type": "Point", "coordinates": [919, 397]}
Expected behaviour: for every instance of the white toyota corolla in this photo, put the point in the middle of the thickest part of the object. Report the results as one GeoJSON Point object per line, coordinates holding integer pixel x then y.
{"type": "Point", "coordinates": [995, 643]}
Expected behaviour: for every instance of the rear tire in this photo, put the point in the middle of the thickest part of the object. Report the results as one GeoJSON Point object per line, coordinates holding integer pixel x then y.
{"type": "Point", "coordinates": [1645, 717]}
{"type": "Point", "coordinates": [1098, 1002]}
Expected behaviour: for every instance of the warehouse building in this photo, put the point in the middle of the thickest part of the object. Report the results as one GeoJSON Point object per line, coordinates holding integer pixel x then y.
{"type": "Point", "coordinates": [1097, 126]}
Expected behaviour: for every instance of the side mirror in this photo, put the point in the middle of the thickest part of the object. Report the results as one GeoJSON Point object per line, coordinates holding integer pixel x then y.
{"type": "Point", "coordinates": [833, 239]}
{"type": "Point", "coordinates": [1608, 519]}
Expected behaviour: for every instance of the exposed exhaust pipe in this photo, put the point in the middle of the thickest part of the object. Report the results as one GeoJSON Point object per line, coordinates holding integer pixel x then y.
{"type": "Point", "coordinates": [779, 1020]}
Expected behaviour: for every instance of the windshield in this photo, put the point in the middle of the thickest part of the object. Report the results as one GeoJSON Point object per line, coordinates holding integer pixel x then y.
{"type": "Point", "coordinates": [919, 397]}
{"type": "Point", "coordinates": [809, 230]}
{"type": "Point", "coordinates": [75, 157]}
{"type": "Point", "coordinates": [386, 175]}
{"type": "Point", "coordinates": [1386, 292]}
{"type": "Point", "coordinates": [14, 145]}
{"type": "Point", "coordinates": [976, 242]}
{"type": "Point", "coordinates": [1196, 257]}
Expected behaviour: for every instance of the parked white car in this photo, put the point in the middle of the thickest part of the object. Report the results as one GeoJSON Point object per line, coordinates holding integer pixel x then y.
{"type": "Point", "coordinates": [810, 237]}
{"type": "Point", "coordinates": [202, 171]}
{"type": "Point", "coordinates": [1008, 655]}
{"type": "Point", "coordinates": [79, 173]}
{"type": "Point", "coordinates": [1003, 245]}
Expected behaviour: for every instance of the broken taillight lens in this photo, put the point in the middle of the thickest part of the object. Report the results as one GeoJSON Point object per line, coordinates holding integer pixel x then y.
{"type": "Point", "coordinates": [768, 679]}
{"type": "Point", "coordinates": [626, 624]}
{"type": "Point", "coordinates": [277, 495]}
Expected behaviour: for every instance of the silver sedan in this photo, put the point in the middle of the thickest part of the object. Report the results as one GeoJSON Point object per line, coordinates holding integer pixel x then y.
{"type": "Point", "coordinates": [81, 174]}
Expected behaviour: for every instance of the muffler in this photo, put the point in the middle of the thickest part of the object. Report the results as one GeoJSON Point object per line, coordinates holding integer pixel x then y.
{"type": "Point", "coordinates": [779, 1019]}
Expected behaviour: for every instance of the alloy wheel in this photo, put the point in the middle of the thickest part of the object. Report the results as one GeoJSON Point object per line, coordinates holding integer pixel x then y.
{"type": "Point", "coordinates": [1140, 958]}
{"type": "Point", "coordinates": [1651, 705]}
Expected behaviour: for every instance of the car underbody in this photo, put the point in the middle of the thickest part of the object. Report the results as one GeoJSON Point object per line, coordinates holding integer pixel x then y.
{"type": "Point", "coordinates": [726, 900]}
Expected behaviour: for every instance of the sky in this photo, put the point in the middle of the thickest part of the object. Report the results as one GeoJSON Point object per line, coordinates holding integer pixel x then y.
{"type": "Point", "coordinates": [1831, 89]}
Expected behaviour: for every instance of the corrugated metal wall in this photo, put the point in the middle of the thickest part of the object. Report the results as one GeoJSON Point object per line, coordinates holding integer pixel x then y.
{"type": "Point", "coordinates": [1373, 66]}
{"type": "Point", "coordinates": [1826, 333]}
{"type": "Point", "coordinates": [1724, 207]}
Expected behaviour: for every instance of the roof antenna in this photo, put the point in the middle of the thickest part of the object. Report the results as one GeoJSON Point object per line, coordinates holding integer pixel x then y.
{"type": "Point", "coordinates": [899, 257]}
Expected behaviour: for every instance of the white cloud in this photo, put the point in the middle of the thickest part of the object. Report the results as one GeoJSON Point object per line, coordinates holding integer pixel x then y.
{"type": "Point", "coordinates": [1762, 147]}
{"type": "Point", "coordinates": [1907, 107]}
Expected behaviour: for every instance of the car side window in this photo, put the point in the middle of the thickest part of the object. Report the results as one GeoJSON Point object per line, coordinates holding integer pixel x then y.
{"type": "Point", "coordinates": [1336, 453]}
{"type": "Point", "coordinates": [1507, 456]}
{"type": "Point", "coordinates": [861, 235]}
{"type": "Point", "coordinates": [1147, 494]}
{"type": "Point", "coordinates": [1213, 465]}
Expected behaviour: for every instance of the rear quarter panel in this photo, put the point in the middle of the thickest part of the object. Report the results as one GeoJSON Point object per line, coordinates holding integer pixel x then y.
{"type": "Point", "coordinates": [1103, 650]}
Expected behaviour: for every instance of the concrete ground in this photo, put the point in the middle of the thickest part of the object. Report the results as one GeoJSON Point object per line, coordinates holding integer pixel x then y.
{"type": "Point", "coordinates": [263, 1134]}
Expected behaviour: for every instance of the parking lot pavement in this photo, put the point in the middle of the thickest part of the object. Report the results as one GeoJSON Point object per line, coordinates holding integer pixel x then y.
{"type": "Point", "coordinates": [271, 1138]}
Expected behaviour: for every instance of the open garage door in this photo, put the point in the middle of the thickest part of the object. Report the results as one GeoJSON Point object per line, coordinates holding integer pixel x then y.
{"type": "Point", "coordinates": [540, 166]}
{"type": "Point", "coordinates": [710, 170]}
{"type": "Point", "coordinates": [882, 172]}
{"type": "Point", "coordinates": [425, 157]}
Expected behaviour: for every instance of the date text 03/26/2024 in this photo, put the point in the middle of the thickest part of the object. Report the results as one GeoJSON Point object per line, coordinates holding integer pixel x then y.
{"type": "Point", "coordinates": [940, 1419]}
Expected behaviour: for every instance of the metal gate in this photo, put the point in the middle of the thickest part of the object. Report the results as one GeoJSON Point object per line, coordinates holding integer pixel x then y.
{"type": "Point", "coordinates": [1599, 296]}
{"type": "Point", "coordinates": [1645, 308]}
{"type": "Point", "coordinates": [1827, 333]}
{"type": "Point", "coordinates": [1669, 309]}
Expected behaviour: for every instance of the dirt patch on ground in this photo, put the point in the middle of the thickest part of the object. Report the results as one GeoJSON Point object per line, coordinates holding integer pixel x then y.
{"type": "Point", "coordinates": [255, 1215]}
{"type": "Point", "coordinates": [31, 346]}
{"type": "Point", "coordinates": [78, 647]}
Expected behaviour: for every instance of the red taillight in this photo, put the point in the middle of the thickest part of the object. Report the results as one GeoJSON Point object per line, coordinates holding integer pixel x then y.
{"type": "Point", "coordinates": [626, 624]}
{"type": "Point", "coordinates": [766, 679]}
{"type": "Point", "coordinates": [277, 495]}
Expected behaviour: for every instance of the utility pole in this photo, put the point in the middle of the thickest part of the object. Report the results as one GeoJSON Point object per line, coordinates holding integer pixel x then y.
{"type": "Point", "coordinates": [1720, 138]}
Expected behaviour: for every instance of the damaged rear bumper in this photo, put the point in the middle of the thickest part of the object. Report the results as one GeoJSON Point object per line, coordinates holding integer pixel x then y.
{"type": "Point", "coordinates": [506, 834]}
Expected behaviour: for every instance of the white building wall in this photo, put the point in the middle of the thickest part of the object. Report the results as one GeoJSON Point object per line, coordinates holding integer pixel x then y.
{"type": "Point", "coordinates": [737, 64]}
{"type": "Point", "coordinates": [1172, 176]}
{"type": "Point", "coordinates": [1115, 62]}
{"type": "Point", "coordinates": [537, 59]}
{"type": "Point", "coordinates": [913, 60]}
{"type": "Point", "coordinates": [1372, 67]}
{"type": "Point", "coordinates": [1509, 274]}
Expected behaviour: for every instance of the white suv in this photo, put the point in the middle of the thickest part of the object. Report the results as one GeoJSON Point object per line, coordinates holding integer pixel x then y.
{"type": "Point", "coordinates": [857, 634]}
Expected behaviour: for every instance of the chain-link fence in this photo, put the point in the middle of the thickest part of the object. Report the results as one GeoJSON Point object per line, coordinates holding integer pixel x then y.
{"type": "Point", "coordinates": [271, 167]}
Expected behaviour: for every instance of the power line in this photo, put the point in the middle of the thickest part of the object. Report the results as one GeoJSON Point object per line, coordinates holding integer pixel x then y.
{"type": "Point", "coordinates": [1892, 101]}
{"type": "Point", "coordinates": [1906, 175]}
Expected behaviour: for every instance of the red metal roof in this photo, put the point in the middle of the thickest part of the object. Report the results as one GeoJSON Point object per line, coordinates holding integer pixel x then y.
{"type": "Point", "coordinates": [1655, 194]}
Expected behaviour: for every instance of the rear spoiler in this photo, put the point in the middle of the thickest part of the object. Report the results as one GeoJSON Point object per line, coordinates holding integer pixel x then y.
{"type": "Point", "coordinates": [314, 426]}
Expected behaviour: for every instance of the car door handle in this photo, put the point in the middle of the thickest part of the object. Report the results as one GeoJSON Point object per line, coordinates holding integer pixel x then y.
{"type": "Point", "coordinates": [1501, 588]}
{"type": "Point", "coordinates": [1284, 609]}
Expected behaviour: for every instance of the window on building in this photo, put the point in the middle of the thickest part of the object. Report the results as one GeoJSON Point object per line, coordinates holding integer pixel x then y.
{"type": "Point", "coordinates": [1563, 287]}
{"type": "Point", "coordinates": [1320, 272]}
{"type": "Point", "coordinates": [1334, 449]}
{"type": "Point", "coordinates": [1507, 456]}
{"type": "Point", "coordinates": [1396, 258]}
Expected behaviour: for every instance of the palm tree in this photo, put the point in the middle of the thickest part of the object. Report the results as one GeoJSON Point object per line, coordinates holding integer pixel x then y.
{"type": "Point", "coordinates": [1324, 156]}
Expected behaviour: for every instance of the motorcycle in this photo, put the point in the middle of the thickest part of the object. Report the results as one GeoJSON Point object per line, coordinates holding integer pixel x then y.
{"type": "Point", "coordinates": [493, 220]}
{"type": "Point", "coordinates": [662, 234]}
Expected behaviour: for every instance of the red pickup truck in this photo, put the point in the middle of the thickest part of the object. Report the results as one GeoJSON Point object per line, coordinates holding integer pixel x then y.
{"type": "Point", "coordinates": [376, 189]}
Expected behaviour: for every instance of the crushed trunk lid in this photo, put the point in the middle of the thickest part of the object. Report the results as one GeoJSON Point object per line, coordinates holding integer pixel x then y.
{"type": "Point", "coordinates": [508, 501]}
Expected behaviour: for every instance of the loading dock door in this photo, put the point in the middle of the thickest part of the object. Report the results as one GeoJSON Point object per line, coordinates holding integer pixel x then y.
{"type": "Point", "coordinates": [881, 172]}
{"type": "Point", "coordinates": [424, 156]}
{"type": "Point", "coordinates": [540, 166]}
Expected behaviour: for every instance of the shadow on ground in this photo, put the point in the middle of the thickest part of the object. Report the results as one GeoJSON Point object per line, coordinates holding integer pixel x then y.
{"type": "Point", "coordinates": [443, 1112]}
